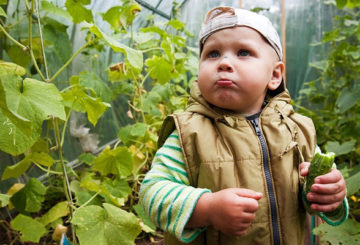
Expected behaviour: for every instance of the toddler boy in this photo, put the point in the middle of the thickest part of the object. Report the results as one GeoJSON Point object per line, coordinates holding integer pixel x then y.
{"type": "Point", "coordinates": [230, 168]}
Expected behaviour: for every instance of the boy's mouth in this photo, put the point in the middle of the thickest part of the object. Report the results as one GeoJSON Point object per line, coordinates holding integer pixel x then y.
{"type": "Point", "coordinates": [224, 83]}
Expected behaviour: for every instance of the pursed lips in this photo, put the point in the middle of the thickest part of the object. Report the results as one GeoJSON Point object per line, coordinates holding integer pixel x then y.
{"type": "Point", "coordinates": [223, 82]}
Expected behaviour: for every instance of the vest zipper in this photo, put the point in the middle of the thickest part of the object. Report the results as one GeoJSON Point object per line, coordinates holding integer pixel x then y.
{"type": "Point", "coordinates": [269, 182]}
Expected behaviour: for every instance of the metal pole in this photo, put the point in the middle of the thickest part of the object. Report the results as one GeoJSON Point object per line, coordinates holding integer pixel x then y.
{"type": "Point", "coordinates": [148, 6]}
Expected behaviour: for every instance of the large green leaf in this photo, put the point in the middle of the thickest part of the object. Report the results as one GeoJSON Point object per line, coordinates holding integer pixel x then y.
{"type": "Point", "coordinates": [8, 68]}
{"type": "Point", "coordinates": [116, 190]}
{"type": "Point", "coordinates": [346, 233]}
{"type": "Point", "coordinates": [27, 104]}
{"type": "Point", "coordinates": [160, 69]}
{"type": "Point", "coordinates": [18, 56]}
{"type": "Point", "coordinates": [30, 197]}
{"type": "Point", "coordinates": [341, 3]}
{"type": "Point", "coordinates": [348, 98]}
{"type": "Point", "coordinates": [22, 123]}
{"type": "Point", "coordinates": [31, 230]}
{"type": "Point", "coordinates": [117, 161]}
{"type": "Point", "coordinates": [135, 57]}
{"type": "Point", "coordinates": [4, 200]}
{"type": "Point", "coordinates": [2, 12]}
{"type": "Point", "coordinates": [12, 138]}
{"type": "Point", "coordinates": [34, 97]}
{"type": "Point", "coordinates": [340, 149]}
{"type": "Point", "coordinates": [14, 171]}
{"type": "Point", "coordinates": [56, 34]}
{"type": "Point", "coordinates": [53, 9]}
{"type": "Point", "coordinates": [61, 209]}
{"type": "Point", "coordinates": [112, 16]}
{"type": "Point", "coordinates": [77, 10]}
{"type": "Point", "coordinates": [94, 82]}
{"type": "Point", "coordinates": [121, 16]}
{"type": "Point", "coordinates": [42, 158]}
{"type": "Point", "coordinates": [80, 101]}
{"type": "Point", "coordinates": [107, 226]}
{"type": "Point", "coordinates": [353, 183]}
{"type": "Point", "coordinates": [148, 224]}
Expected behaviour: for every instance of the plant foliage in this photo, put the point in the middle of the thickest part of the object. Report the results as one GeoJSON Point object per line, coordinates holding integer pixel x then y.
{"type": "Point", "coordinates": [334, 99]}
{"type": "Point", "coordinates": [94, 201]}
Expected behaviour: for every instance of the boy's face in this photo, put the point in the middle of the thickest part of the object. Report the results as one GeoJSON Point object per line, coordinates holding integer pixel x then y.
{"type": "Point", "coordinates": [236, 68]}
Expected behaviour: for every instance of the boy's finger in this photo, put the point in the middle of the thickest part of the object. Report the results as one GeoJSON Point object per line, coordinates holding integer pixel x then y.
{"type": "Point", "coordinates": [304, 168]}
{"type": "Point", "coordinates": [241, 192]}
{"type": "Point", "coordinates": [329, 189]}
{"type": "Point", "coordinates": [325, 207]}
{"type": "Point", "coordinates": [332, 177]}
{"type": "Point", "coordinates": [325, 199]}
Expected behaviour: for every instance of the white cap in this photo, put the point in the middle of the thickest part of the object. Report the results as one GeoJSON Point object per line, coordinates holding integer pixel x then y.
{"type": "Point", "coordinates": [226, 17]}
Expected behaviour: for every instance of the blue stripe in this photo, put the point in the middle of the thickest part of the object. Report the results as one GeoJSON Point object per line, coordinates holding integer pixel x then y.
{"type": "Point", "coordinates": [170, 158]}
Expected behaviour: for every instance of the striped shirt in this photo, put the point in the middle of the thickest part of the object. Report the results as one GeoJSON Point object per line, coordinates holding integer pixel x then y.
{"type": "Point", "coordinates": [166, 194]}
{"type": "Point", "coordinates": [169, 200]}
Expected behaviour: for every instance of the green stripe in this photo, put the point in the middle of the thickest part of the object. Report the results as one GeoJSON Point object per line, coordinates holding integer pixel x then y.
{"type": "Point", "coordinates": [173, 136]}
{"type": "Point", "coordinates": [147, 181]}
{"type": "Point", "coordinates": [174, 169]}
{"type": "Point", "coordinates": [173, 147]}
{"type": "Point", "coordinates": [193, 236]}
{"type": "Point", "coordinates": [153, 198]}
{"type": "Point", "coordinates": [181, 209]}
{"type": "Point", "coordinates": [170, 209]}
{"type": "Point", "coordinates": [162, 202]}
{"type": "Point", "coordinates": [170, 158]}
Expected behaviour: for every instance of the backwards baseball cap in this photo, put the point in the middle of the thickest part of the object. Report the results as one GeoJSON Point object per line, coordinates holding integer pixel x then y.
{"type": "Point", "coordinates": [226, 17]}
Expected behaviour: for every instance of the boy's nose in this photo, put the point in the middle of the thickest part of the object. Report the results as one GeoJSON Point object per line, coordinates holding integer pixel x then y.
{"type": "Point", "coordinates": [225, 64]}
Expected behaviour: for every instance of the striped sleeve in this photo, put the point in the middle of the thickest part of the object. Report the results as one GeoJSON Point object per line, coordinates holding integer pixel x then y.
{"type": "Point", "coordinates": [166, 194]}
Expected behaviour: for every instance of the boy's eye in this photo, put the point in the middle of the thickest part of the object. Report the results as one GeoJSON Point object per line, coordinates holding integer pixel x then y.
{"type": "Point", "coordinates": [214, 54]}
{"type": "Point", "coordinates": [243, 53]}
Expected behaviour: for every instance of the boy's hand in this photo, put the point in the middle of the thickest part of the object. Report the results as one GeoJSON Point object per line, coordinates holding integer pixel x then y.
{"type": "Point", "coordinates": [233, 210]}
{"type": "Point", "coordinates": [328, 191]}
{"type": "Point", "coordinates": [230, 211]}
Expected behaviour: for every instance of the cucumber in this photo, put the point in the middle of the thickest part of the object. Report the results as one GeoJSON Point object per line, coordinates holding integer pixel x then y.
{"type": "Point", "coordinates": [321, 164]}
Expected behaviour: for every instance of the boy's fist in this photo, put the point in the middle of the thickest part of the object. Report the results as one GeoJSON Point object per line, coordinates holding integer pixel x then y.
{"type": "Point", "coordinates": [233, 210]}
{"type": "Point", "coordinates": [328, 191]}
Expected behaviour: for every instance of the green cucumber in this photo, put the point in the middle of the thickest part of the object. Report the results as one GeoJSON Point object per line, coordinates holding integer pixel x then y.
{"type": "Point", "coordinates": [321, 164]}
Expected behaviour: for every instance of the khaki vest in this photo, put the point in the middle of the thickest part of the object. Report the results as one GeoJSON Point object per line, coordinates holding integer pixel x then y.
{"type": "Point", "coordinates": [221, 150]}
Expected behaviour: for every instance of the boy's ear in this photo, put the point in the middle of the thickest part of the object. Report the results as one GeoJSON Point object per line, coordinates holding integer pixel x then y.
{"type": "Point", "coordinates": [277, 75]}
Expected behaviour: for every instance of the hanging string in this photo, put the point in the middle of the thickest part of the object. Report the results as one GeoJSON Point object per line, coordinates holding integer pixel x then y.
{"type": "Point", "coordinates": [283, 35]}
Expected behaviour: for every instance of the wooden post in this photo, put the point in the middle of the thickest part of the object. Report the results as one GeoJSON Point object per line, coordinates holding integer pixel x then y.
{"type": "Point", "coordinates": [240, 4]}
{"type": "Point", "coordinates": [283, 35]}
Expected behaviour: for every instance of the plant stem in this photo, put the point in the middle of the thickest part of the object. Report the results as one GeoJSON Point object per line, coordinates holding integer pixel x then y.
{"type": "Point", "coordinates": [30, 11]}
{"type": "Point", "coordinates": [88, 201]}
{"type": "Point", "coordinates": [12, 39]}
{"type": "Point", "coordinates": [65, 177]}
{"type": "Point", "coordinates": [42, 41]}
{"type": "Point", "coordinates": [47, 170]}
{"type": "Point", "coordinates": [64, 128]}
{"type": "Point", "coordinates": [69, 61]}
